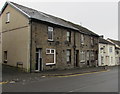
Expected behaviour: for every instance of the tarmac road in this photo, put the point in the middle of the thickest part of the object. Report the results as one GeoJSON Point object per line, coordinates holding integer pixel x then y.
{"type": "Point", "coordinates": [106, 81]}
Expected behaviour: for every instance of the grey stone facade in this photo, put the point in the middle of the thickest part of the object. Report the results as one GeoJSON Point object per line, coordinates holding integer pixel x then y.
{"type": "Point", "coordinates": [60, 44]}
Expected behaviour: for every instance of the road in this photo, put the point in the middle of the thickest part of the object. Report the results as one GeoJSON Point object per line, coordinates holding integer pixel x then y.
{"type": "Point", "coordinates": [94, 82]}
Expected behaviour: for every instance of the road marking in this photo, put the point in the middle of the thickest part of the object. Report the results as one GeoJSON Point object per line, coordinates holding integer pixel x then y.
{"type": "Point", "coordinates": [3, 83]}
{"type": "Point", "coordinates": [81, 74]}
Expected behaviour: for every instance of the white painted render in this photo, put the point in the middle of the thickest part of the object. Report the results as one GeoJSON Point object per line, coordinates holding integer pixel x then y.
{"type": "Point", "coordinates": [117, 55]}
{"type": "Point", "coordinates": [106, 57]}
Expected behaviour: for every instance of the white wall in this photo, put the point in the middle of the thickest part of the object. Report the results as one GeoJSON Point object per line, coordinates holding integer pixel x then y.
{"type": "Point", "coordinates": [108, 57]}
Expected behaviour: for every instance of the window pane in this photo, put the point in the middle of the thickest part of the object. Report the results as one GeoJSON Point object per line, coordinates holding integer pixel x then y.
{"type": "Point", "coordinates": [50, 33]}
{"type": "Point", "coordinates": [68, 33]}
{"type": "Point", "coordinates": [68, 59]}
{"type": "Point", "coordinates": [48, 51]}
{"type": "Point", "coordinates": [68, 39]}
{"type": "Point", "coordinates": [50, 28]}
{"type": "Point", "coordinates": [68, 53]}
{"type": "Point", "coordinates": [82, 38]}
{"type": "Point", "coordinates": [7, 17]}
{"type": "Point", "coordinates": [52, 51]}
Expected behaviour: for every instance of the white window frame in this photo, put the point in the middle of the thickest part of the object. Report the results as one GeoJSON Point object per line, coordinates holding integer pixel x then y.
{"type": "Point", "coordinates": [68, 56]}
{"type": "Point", "coordinates": [111, 49]}
{"type": "Point", "coordinates": [82, 56]}
{"type": "Point", "coordinates": [92, 41]}
{"type": "Point", "coordinates": [51, 54]}
{"type": "Point", "coordinates": [8, 17]}
{"type": "Point", "coordinates": [92, 55]}
{"type": "Point", "coordinates": [68, 36]}
{"type": "Point", "coordinates": [50, 29]}
{"type": "Point", "coordinates": [82, 39]}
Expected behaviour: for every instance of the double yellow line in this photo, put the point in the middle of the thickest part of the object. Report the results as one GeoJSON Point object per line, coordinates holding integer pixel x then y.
{"type": "Point", "coordinates": [3, 82]}
{"type": "Point", "coordinates": [79, 74]}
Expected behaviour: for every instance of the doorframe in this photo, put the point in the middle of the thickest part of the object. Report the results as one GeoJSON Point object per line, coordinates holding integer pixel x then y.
{"type": "Point", "coordinates": [39, 57]}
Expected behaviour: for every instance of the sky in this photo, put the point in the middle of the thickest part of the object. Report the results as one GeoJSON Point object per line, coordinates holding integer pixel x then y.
{"type": "Point", "coordinates": [99, 16]}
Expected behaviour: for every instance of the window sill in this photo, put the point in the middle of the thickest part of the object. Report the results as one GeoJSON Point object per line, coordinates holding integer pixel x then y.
{"type": "Point", "coordinates": [50, 40]}
{"type": "Point", "coordinates": [49, 64]}
{"type": "Point", "coordinates": [7, 22]}
{"type": "Point", "coordinates": [82, 61]}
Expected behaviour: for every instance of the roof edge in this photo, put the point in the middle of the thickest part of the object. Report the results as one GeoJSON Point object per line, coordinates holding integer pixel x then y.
{"type": "Point", "coordinates": [8, 2]}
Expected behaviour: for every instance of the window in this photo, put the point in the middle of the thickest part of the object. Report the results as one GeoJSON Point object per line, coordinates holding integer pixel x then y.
{"type": "Point", "coordinates": [104, 49]}
{"type": "Point", "coordinates": [50, 33]}
{"type": "Point", "coordinates": [50, 56]}
{"type": "Point", "coordinates": [5, 56]}
{"type": "Point", "coordinates": [87, 55]}
{"type": "Point", "coordinates": [68, 53]}
{"type": "Point", "coordinates": [92, 40]}
{"type": "Point", "coordinates": [102, 58]}
{"type": "Point", "coordinates": [110, 49]}
{"type": "Point", "coordinates": [82, 39]}
{"type": "Point", "coordinates": [68, 36]}
{"type": "Point", "coordinates": [8, 17]}
{"type": "Point", "coordinates": [92, 55]}
{"type": "Point", "coordinates": [82, 56]}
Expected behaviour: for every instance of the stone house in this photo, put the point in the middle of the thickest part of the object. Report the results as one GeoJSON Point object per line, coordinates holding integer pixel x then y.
{"type": "Point", "coordinates": [117, 50]}
{"type": "Point", "coordinates": [106, 54]}
{"type": "Point", "coordinates": [37, 41]}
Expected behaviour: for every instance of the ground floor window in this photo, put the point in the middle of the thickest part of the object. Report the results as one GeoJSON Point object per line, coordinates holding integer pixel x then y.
{"type": "Point", "coordinates": [82, 55]}
{"type": "Point", "coordinates": [68, 54]}
{"type": "Point", "coordinates": [102, 58]}
{"type": "Point", "coordinates": [50, 56]}
{"type": "Point", "coordinates": [92, 55]}
{"type": "Point", "coordinates": [5, 56]}
{"type": "Point", "coordinates": [87, 56]}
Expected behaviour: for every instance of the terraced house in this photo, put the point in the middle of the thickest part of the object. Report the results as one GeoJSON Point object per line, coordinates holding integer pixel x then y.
{"type": "Point", "coordinates": [106, 54]}
{"type": "Point", "coordinates": [37, 41]}
{"type": "Point", "coordinates": [117, 50]}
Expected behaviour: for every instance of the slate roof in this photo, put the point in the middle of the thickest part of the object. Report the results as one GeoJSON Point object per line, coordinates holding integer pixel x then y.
{"type": "Point", "coordinates": [115, 41]}
{"type": "Point", "coordinates": [101, 40]}
{"type": "Point", "coordinates": [34, 14]}
{"type": "Point", "coordinates": [83, 29]}
{"type": "Point", "coordinates": [43, 16]}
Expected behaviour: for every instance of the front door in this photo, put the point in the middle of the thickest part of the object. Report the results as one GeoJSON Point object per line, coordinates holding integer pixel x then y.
{"type": "Point", "coordinates": [38, 65]}
{"type": "Point", "coordinates": [77, 58]}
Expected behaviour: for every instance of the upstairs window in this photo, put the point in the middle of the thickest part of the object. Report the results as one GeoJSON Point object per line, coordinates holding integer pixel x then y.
{"type": "Point", "coordinates": [110, 49]}
{"type": "Point", "coordinates": [50, 33]}
{"type": "Point", "coordinates": [92, 40]}
{"type": "Point", "coordinates": [68, 36]}
{"type": "Point", "coordinates": [7, 17]}
{"type": "Point", "coordinates": [5, 56]}
{"type": "Point", "coordinates": [82, 39]}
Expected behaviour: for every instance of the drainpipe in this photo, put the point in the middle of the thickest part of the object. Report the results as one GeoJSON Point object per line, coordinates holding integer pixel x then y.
{"type": "Point", "coordinates": [30, 22]}
{"type": "Point", "coordinates": [74, 50]}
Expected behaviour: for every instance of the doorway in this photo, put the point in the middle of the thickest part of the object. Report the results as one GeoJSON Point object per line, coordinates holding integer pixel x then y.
{"type": "Point", "coordinates": [77, 58]}
{"type": "Point", "coordinates": [38, 64]}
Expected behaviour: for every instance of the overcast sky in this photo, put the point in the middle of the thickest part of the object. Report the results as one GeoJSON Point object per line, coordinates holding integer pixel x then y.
{"type": "Point", "coordinates": [100, 16]}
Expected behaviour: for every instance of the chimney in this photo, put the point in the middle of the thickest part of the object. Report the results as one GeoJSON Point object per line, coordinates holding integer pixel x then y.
{"type": "Point", "coordinates": [101, 36]}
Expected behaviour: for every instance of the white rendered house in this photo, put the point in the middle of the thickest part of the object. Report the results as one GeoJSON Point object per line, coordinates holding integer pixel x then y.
{"type": "Point", "coordinates": [106, 53]}
{"type": "Point", "coordinates": [117, 50]}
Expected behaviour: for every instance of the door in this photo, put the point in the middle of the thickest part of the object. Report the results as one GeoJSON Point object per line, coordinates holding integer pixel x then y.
{"type": "Point", "coordinates": [77, 58]}
{"type": "Point", "coordinates": [38, 65]}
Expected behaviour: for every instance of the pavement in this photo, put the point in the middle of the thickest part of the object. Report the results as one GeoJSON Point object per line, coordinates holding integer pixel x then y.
{"type": "Point", "coordinates": [10, 74]}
